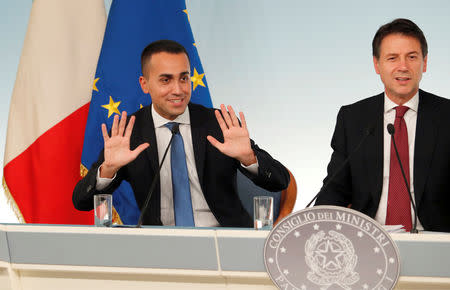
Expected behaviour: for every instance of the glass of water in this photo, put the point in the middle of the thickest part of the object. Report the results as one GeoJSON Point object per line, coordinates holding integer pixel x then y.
{"type": "Point", "coordinates": [263, 212]}
{"type": "Point", "coordinates": [103, 210]}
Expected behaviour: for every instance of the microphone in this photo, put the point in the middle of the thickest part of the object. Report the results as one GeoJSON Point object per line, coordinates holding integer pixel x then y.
{"type": "Point", "coordinates": [368, 131]}
{"type": "Point", "coordinates": [391, 131]}
{"type": "Point", "coordinates": [175, 130]}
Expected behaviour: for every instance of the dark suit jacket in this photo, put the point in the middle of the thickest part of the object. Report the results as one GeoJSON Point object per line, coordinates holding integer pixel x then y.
{"type": "Point", "coordinates": [216, 171]}
{"type": "Point", "coordinates": [360, 183]}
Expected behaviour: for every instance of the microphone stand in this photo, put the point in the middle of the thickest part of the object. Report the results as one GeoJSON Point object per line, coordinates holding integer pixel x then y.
{"type": "Point", "coordinates": [368, 132]}
{"type": "Point", "coordinates": [174, 131]}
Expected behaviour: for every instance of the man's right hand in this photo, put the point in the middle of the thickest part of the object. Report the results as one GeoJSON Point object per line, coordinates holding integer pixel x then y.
{"type": "Point", "coordinates": [117, 151]}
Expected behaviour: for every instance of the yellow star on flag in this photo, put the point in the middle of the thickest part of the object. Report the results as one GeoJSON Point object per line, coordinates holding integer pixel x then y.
{"type": "Point", "coordinates": [140, 106]}
{"type": "Point", "coordinates": [197, 79]}
{"type": "Point", "coordinates": [185, 11]}
{"type": "Point", "coordinates": [112, 107]}
{"type": "Point", "coordinates": [94, 86]}
{"type": "Point", "coordinates": [194, 44]}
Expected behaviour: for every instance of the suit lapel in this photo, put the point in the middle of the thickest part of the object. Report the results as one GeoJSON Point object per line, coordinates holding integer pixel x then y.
{"type": "Point", "coordinates": [374, 147]}
{"type": "Point", "coordinates": [426, 133]}
{"type": "Point", "coordinates": [145, 132]}
{"type": "Point", "coordinates": [198, 132]}
{"type": "Point", "coordinates": [149, 136]}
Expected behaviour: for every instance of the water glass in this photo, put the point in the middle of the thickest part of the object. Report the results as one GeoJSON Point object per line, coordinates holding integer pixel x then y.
{"type": "Point", "coordinates": [103, 210]}
{"type": "Point", "coordinates": [263, 212]}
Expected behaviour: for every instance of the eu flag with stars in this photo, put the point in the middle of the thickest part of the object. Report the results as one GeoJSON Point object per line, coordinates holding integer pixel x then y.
{"type": "Point", "coordinates": [131, 26]}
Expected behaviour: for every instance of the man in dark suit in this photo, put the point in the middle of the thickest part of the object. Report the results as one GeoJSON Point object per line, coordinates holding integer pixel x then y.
{"type": "Point", "coordinates": [214, 145]}
{"type": "Point", "coordinates": [372, 181]}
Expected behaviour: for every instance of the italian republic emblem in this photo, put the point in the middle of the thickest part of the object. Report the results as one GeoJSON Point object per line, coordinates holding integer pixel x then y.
{"type": "Point", "coordinates": [328, 247]}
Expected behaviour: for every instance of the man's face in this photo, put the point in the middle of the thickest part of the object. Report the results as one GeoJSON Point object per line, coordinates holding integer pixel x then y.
{"type": "Point", "coordinates": [400, 66]}
{"type": "Point", "coordinates": [167, 80]}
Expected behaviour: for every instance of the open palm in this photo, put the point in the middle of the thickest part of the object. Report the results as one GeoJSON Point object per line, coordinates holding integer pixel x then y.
{"type": "Point", "coordinates": [117, 151]}
{"type": "Point", "coordinates": [236, 139]}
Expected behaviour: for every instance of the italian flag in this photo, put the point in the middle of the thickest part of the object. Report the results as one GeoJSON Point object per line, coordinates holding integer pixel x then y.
{"type": "Point", "coordinates": [49, 108]}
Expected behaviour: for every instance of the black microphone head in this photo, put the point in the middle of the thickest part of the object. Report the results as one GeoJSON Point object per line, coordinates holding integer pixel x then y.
{"type": "Point", "coordinates": [391, 129]}
{"type": "Point", "coordinates": [176, 128]}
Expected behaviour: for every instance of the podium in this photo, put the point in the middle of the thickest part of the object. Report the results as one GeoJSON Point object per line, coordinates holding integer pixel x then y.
{"type": "Point", "coordinates": [86, 257]}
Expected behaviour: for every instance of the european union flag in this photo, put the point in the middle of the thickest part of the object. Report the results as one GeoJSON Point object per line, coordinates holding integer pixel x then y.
{"type": "Point", "coordinates": [131, 26]}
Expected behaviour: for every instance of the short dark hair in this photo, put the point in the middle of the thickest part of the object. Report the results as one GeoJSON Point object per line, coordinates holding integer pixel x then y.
{"type": "Point", "coordinates": [163, 45]}
{"type": "Point", "coordinates": [399, 26]}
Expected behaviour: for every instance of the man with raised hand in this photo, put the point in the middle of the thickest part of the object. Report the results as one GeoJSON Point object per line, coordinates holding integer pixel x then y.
{"type": "Point", "coordinates": [197, 185]}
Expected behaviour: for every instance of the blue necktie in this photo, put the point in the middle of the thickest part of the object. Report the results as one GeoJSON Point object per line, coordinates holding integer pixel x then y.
{"type": "Point", "coordinates": [180, 182]}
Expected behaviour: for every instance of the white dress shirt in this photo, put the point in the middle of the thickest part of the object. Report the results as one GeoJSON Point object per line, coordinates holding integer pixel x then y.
{"type": "Point", "coordinates": [410, 118]}
{"type": "Point", "coordinates": [203, 216]}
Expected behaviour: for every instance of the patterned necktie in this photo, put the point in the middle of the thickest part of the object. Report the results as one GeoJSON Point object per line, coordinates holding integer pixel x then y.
{"type": "Point", "coordinates": [182, 202]}
{"type": "Point", "coordinates": [399, 206]}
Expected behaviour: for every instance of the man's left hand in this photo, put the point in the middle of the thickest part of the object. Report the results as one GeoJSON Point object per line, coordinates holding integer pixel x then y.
{"type": "Point", "coordinates": [235, 136]}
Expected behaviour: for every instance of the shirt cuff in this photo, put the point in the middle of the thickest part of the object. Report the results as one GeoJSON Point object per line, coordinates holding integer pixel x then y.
{"type": "Point", "coordinates": [252, 168]}
{"type": "Point", "coordinates": [102, 183]}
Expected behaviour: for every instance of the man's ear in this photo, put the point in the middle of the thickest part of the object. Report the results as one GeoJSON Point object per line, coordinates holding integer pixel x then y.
{"type": "Point", "coordinates": [425, 59]}
{"type": "Point", "coordinates": [144, 84]}
{"type": "Point", "coordinates": [375, 65]}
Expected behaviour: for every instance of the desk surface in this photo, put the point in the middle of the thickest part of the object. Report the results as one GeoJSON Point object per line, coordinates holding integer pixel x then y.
{"type": "Point", "coordinates": [212, 249]}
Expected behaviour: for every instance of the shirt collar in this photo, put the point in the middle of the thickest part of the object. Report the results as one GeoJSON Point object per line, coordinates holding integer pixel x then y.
{"type": "Point", "coordinates": [412, 104]}
{"type": "Point", "coordinates": [160, 121]}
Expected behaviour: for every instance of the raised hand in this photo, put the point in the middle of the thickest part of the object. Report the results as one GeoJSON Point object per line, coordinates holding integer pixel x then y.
{"type": "Point", "coordinates": [236, 137]}
{"type": "Point", "coordinates": [117, 151]}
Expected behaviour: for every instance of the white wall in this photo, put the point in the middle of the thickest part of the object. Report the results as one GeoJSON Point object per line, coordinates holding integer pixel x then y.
{"type": "Point", "coordinates": [288, 65]}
